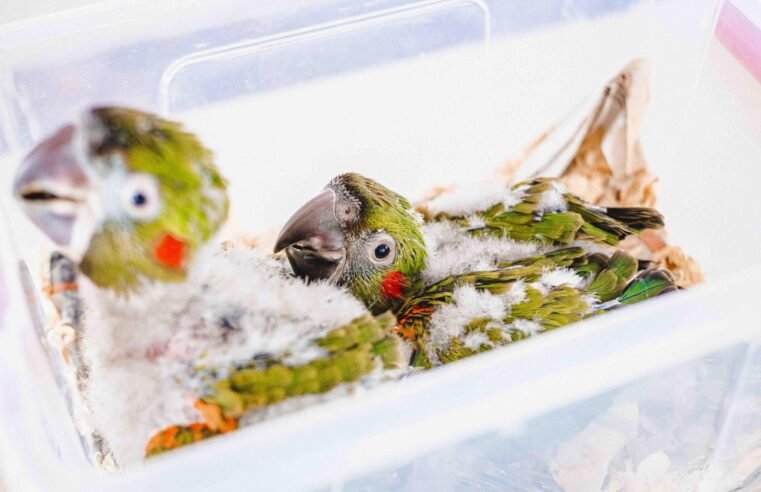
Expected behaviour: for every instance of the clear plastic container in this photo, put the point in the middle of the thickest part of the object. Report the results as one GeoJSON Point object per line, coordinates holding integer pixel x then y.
{"type": "Point", "coordinates": [660, 396]}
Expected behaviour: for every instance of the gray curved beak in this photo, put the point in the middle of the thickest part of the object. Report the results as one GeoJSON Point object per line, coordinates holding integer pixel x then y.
{"type": "Point", "coordinates": [51, 185]}
{"type": "Point", "coordinates": [312, 238]}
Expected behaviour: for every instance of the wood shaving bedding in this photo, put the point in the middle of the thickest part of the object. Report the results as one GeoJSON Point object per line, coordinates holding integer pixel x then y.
{"type": "Point", "coordinates": [603, 162]}
{"type": "Point", "coordinates": [609, 168]}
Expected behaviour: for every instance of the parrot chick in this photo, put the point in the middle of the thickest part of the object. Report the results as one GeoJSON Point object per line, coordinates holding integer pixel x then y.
{"type": "Point", "coordinates": [471, 277]}
{"type": "Point", "coordinates": [177, 331]}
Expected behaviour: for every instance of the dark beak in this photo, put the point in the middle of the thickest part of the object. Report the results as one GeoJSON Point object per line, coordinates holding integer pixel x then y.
{"type": "Point", "coordinates": [51, 185]}
{"type": "Point", "coordinates": [312, 238]}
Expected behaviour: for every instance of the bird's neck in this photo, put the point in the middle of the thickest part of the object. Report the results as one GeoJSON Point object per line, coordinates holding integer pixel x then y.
{"type": "Point", "coordinates": [117, 325]}
{"type": "Point", "coordinates": [138, 323]}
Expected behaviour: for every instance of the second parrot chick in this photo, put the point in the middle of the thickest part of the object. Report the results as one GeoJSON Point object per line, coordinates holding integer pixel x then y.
{"type": "Point", "coordinates": [177, 331]}
{"type": "Point", "coordinates": [481, 270]}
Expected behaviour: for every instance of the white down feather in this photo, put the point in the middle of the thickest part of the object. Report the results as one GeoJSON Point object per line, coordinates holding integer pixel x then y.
{"type": "Point", "coordinates": [144, 351]}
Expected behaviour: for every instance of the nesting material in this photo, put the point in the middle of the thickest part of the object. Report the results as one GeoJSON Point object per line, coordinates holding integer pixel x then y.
{"type": "Point", "coordinates": [609, 167]}
{"type": "Point", "coordinates": [603, 162]}
{"type": "Point", "coordinates": [652, 245]}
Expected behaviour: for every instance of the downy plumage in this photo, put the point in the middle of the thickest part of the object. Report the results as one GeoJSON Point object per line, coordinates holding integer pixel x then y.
{"type": "Point", "coordinates": [183, 338]}
{"type": "Point", "coordinates": [482, 270]}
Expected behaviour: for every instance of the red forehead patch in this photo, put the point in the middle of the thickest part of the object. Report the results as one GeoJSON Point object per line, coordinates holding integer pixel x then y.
{"type": "Point", "coordinates": [170, 251]}
{"type": "Point", "coordinates": [393, 285]}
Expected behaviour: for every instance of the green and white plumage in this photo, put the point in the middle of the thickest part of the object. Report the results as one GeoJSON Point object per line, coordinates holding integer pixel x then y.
{"type": "Point", "coordinates": [491, 268]}
{"type": "Point", "coordinates": [539, 211]}
{"type": "Point", "coordinates": [477, 311]}
{"type": "Point", "coordinates": [170, 317]}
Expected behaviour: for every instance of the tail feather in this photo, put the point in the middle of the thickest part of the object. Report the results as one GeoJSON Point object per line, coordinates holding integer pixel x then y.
{"type": "Point", "coordinates": [610, 282]}
{"type": "Point", "coordinates": [565, 257]}
{"type": "Point", "coordinates": [612, 224]}
{"type": "Point", "coordinates": [639, 218]}
{"type": "Point", "coordinates": [649, 283]}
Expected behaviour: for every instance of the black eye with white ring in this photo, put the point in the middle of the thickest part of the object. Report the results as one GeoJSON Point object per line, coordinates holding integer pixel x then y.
{"type": "Point", "coordinates": [140, 196]}
{"type": "Point", "coordinates": [381, 248]}
{"type": "Point", "coordinates": [382, 251]}
{"type": "Point", "coordinates": [139, 199]}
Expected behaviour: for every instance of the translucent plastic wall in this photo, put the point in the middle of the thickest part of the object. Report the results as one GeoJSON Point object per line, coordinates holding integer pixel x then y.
{"type": "Point", "coordinates": [417, 94]}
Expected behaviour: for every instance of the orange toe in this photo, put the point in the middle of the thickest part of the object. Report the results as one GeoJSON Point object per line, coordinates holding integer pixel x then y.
{"type": "Point", "coordinates": [163, 440]}
{"type": "Point", "coordinates": [214, 423]}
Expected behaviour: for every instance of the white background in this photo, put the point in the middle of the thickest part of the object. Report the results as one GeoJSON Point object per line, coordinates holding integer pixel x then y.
{"type": "Point", "coordinates": [15, 10]}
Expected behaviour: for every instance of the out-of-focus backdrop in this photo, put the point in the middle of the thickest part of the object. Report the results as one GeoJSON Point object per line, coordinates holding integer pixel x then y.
{"type": "Point", "coordinates": [16, 10]}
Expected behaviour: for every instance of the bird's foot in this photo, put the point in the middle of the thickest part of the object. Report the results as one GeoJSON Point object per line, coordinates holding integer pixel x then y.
{"type": "Point", "coordinates": [214, 418]}
{"type": "Point", "coordinates": [175, 436]}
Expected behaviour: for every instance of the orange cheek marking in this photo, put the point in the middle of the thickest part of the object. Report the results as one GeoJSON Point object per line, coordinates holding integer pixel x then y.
{"type": "Point", "coordinates": [393, 285]}
{"type": "Point", "coordinates": [170, 251]}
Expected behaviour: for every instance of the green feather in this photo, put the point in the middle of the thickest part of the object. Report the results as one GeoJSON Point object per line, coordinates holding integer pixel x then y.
{"type": "Point", "coordinates": [638, 218]}
{"type": "Point", "coordinates": [574, 257]}
{"type": "Point", "coordinates": [352, 350]}
{"type": "Point", "coordinates": [610, 282]}
{"type": "Point", "coordinates": [648, 284]}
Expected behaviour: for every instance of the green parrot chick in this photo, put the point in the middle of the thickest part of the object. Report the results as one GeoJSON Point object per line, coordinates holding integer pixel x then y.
{"type": "Point", "coordinates": [179, 331]}
{"type": "Point", "coordinates": [478, 273]}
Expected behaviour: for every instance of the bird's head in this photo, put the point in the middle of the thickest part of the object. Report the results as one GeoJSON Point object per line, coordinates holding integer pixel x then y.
{"type": "Point", "coordinates": [129, 196]}
{"type": "Point", "coordinates": [359, 234]}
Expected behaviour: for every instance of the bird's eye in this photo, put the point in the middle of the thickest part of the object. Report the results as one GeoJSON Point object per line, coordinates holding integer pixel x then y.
{"type": "Point", "coordinates": [381, 249]}
{"type": "Point", "coordinates": [141, 198]}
